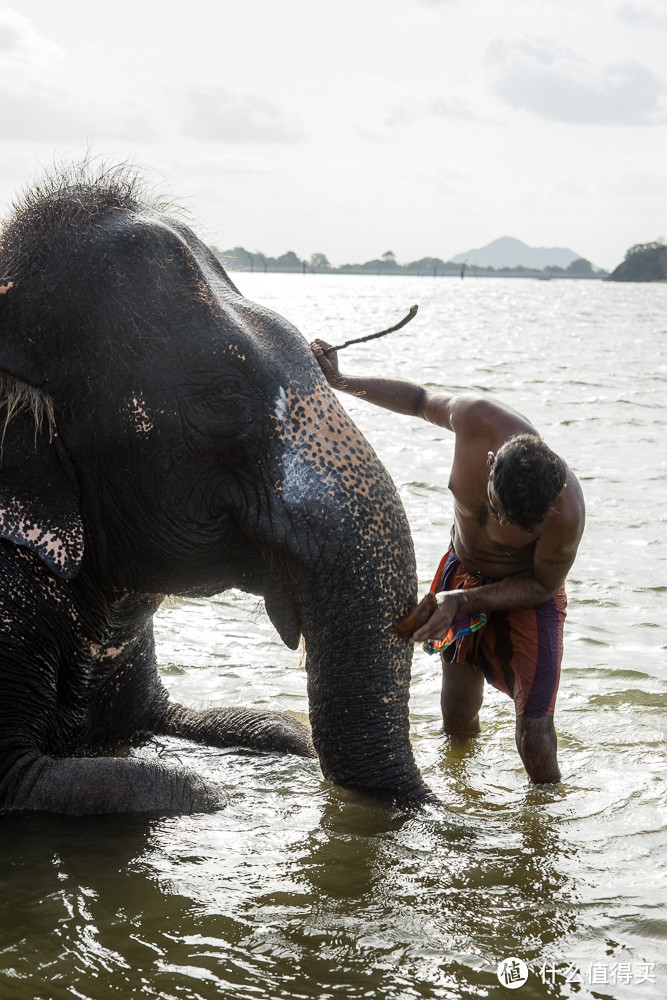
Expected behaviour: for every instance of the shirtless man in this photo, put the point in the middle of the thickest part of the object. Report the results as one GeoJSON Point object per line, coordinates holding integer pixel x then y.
{"type": "Point", "coordinates": [518, 521]}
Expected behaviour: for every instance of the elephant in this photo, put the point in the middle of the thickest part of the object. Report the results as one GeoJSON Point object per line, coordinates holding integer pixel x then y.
{"type": "Point", "coordinates": [163, 435]}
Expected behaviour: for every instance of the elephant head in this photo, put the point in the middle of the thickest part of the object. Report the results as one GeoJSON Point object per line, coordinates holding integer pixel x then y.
{"type": "Point", "coordinates": [182, 440]}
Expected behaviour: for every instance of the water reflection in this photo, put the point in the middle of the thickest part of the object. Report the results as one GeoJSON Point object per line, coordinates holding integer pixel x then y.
{"type": "Point", "coordinates": [366, 897]}
{"type": "Point", "coordinates": [77, 913]}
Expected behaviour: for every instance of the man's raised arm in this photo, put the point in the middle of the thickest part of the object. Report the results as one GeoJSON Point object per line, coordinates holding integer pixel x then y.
{"type": "Point", "coordinates": [393, 394]}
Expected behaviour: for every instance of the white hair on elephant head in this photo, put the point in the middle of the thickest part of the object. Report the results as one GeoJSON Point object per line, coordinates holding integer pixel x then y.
{"type": "Point", "coordinates": [16, 396]}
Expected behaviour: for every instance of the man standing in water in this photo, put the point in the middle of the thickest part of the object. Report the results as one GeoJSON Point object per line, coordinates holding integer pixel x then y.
{"type": "Point", "coordinates": [518, 521]}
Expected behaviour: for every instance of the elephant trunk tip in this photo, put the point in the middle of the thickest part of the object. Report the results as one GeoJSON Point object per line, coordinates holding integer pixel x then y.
{"type": "Point", "coordinates": [413, 798]}
{"type": "Point", "coordinates": [402, 785]}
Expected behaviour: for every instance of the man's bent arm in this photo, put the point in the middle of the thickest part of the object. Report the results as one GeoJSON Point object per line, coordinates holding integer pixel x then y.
{"type": "Point", "coordinates": [551, 563]}
{"type": "Point", "coordinates": [522, 591]}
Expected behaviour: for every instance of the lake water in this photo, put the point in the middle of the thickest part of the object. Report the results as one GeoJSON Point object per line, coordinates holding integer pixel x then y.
{"type": "Point", "coordinates": [299, 889]}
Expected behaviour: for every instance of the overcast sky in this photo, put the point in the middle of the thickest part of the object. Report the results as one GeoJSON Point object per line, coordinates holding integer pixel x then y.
{"type": "Point", "coordinates": [424, 127]}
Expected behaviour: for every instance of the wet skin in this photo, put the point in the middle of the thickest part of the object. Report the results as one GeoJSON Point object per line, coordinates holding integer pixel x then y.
{"type": "Point", "coordinates": [526, 568]}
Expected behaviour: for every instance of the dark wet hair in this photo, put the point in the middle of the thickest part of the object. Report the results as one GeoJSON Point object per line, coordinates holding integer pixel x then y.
{"type": "Point", "coordinates": [527, 477]}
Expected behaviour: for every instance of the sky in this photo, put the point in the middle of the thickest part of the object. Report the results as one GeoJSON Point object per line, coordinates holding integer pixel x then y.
{"type": "Point", "coordinates": [420, 127]}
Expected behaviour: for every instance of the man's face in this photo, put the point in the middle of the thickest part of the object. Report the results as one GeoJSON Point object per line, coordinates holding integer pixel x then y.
{"type": "Point", "coordinates": [495, 506]}
{"type": "Point", "coordinates": [496, 509]}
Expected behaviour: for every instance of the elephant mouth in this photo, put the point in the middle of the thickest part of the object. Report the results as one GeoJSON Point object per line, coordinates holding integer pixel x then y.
{"type": "Point", "coordinates": [284, 617]}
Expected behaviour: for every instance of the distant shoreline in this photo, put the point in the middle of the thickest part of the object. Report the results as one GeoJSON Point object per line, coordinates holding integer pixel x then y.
{"type": "Point", "coordinates": [470, 273]}
{"type": "Point", "coordinates": [242, 260]}
{"type": "Point", "coordinates": [644, 262]}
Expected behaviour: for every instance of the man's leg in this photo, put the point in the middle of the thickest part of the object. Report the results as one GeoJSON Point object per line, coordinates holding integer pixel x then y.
{"type": "Point", "coordinates": [461, 698]}
{"type": "Point", "coordinates": [528, 649]}
{"type": "Point", "coordinates": [536, 743]}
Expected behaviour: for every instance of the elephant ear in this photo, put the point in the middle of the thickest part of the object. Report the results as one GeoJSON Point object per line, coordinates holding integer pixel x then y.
{"type": "Point", "coordinates": [39, 496]}
{"type": "Point", "coordinates": [39, 493]}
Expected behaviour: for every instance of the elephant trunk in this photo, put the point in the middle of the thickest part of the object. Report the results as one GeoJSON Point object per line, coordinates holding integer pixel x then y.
{"type": "Point", "coordinates": [358, 689]}
{"type": "Point", "coordinates": [352, 575]}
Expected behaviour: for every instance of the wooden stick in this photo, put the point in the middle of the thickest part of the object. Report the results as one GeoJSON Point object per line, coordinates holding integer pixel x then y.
{"type": "Point", "coordinates": [372, 336]}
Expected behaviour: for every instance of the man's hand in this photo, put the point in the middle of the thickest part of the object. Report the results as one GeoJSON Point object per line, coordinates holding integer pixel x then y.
{"type": "Point", "coordinates": [328, 363]}
{"type": "Point", "coordinates": [450, 604]}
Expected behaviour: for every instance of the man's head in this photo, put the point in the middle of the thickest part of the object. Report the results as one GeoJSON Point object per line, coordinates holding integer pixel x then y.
{"type": "Point", "coordinates": [526, 478]}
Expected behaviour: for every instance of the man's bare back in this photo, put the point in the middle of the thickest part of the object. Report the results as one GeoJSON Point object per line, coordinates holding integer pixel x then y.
{"type": "Point", "coordinates": [512, 560]}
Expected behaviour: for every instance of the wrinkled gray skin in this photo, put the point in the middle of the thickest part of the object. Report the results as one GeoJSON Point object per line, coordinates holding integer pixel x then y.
{"type": "Point", "coordinates": [188, 443]}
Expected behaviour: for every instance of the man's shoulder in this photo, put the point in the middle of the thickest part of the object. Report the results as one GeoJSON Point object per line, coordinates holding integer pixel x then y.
{"type": "Point", "coordinates": [564, 526]}
{"type": "Point", "coordinates": [485, 416]}
{"type": "Point", "coordinates": [572, 498]}
{"type": "Point", "coordinates": [462, 413]}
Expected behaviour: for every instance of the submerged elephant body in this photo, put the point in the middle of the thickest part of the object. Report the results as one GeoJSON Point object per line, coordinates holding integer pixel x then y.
{"type": "Point", "coordinates": [164, 435]}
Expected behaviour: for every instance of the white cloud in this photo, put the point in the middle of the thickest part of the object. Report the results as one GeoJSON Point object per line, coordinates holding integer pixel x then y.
{"type": "Point", "coordinates": [544, 51]}
{"type": "Point", "coordinates": [21, 43]}
{"type": "Point", "coordinates": [35, 109]}
{"type": "Point", "coordinates": [209, 162]}
{"type": "Point", "coordinates": [38, 115]}
{"type": "Point", "coordinates": [215, 114]}
{"type": "Point", "coordinates": [454, 107]}
{"type": "Point", "coordinates": [35, 114]}
{"type": "Point", "coordinates": [414, 114]}
{"type": "Point", "coordinates": [636, 179]}
{"type": "Point", "coordinates": [644, 14]}
{"type": "Point", "coordinates": [558, 84]}
{"type": "Point", "coordinates": [402, 114]}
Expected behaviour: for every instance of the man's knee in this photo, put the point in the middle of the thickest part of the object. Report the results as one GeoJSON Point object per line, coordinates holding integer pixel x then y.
{"type": "Point", "coordinates": [461, 699]}
{"type": "Point", "coordinates": [537, 745]}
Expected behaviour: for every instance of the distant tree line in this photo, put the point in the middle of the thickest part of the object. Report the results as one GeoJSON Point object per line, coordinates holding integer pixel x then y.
{"type": "Point", "coordinates": [240, 259]}
{"type": "Point", "coordinates": [643, 262]}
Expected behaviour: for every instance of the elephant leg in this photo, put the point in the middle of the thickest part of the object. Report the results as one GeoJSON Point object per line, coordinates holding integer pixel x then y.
{"type": "Point", "coordinates": [252, 728]}
{"type": "Point", "coordinates": [134, 700]}
{"type": "Point", "coordinates": [82, 786]}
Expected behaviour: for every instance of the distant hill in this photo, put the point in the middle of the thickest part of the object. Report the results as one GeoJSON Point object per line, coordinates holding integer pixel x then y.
{"type": "Point", "coordinates": [643, 262]}
{"type": "Point", "coordinates": [510, 252]}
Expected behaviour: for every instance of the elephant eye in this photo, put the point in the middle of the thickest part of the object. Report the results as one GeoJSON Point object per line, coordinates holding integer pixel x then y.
{"type": "Point", "coordinates": [230, 387]}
